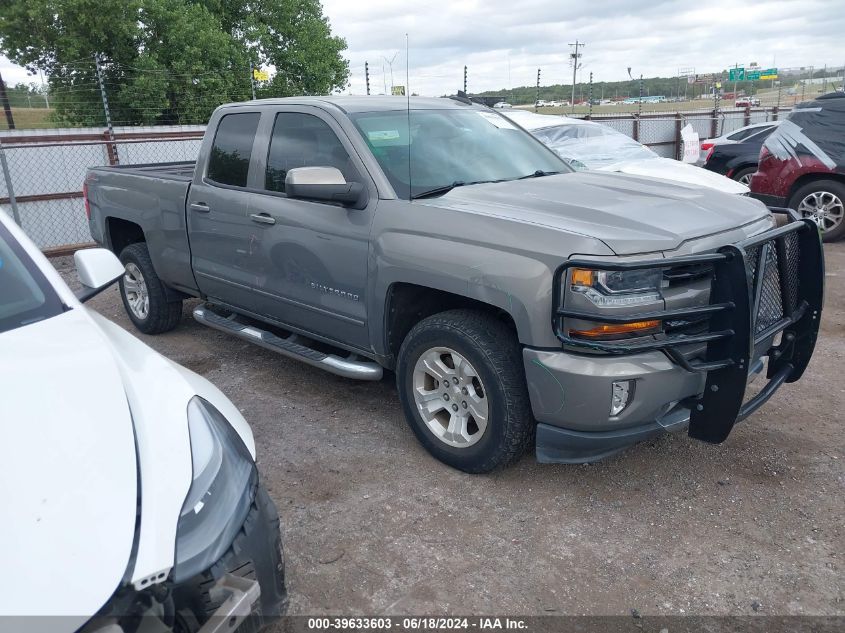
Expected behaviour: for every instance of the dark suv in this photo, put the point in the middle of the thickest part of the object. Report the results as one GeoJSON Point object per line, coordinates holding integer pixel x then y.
{"type": "Point", "coordinates": [802, 164]}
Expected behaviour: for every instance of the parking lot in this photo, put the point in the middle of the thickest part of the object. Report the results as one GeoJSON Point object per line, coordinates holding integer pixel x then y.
{"type": "Point", "coordinates": [374, 525]}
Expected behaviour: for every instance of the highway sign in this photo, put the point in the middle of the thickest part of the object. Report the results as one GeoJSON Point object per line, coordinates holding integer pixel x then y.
{"type": "Point", "coordinates": [737, 74]}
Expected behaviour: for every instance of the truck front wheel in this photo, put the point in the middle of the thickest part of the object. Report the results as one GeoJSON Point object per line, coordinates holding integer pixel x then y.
{"type": "Point", "coordinates": [143, 294]}
{"type": "Point", "coordinates": [462, 386]}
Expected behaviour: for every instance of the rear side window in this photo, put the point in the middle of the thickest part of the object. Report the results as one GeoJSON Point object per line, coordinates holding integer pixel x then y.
{"type": "Point", "coordinates": [303, 140]}
{"type": "Point", "coordinates": [232, 149]}
{"type": "Point", "coordinates": [748, 133]}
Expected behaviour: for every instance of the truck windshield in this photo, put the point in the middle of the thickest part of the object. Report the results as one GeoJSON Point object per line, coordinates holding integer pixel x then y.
{"type": "Point", "coordinates": [451, 147]}
{"type": "Point", "coordinates": [25, 294]}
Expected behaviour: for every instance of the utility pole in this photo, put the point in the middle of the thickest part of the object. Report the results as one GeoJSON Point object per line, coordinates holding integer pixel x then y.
{"type": "Point", "coordinates": [538, 90]}
{"type": "Point", "coordinates": [590, 97]}
{"type": "Point", "coordinates": [575, 57]}
{"type": "Point", "coordinates": [640, 100]}
{"type": "Point", "coordinates": [465, 79]}
{"type": "Point", "coordinates": [112, 146]}
{"type": "Point", "coordinates": [7, 108]}
{"type": "Point", "coordinates": [367, 76]}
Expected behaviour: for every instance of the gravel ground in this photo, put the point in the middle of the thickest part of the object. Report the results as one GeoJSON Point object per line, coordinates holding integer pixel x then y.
{"type": "Point", "coordinates": [373, 525]}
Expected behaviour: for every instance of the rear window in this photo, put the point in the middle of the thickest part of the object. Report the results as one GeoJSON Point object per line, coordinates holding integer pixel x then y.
{"type": "Point", "coordinates": [232, 149]}
{"type": "Point", "coordinates": [25, 294]}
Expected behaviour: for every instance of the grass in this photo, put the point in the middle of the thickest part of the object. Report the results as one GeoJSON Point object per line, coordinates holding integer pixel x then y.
{"type": "Point", "coordinates": [29, 118]}
{"type": "Point", "coordinates": [768, 99]}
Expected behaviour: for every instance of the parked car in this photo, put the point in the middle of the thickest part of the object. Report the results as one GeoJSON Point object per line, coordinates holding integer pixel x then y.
{"type": "Point", "coordinates": [736, 136]}
{"type": "Point", "coordinates": [520, 304]}
{"type": "Point", "coordinates": [128, 481]}
{"type": "Point", "coordinates": [590, 145]}
{"type": "Point", "coordinates": [802, 164]}
{"type": "Point", "coordinates": [738, 159]}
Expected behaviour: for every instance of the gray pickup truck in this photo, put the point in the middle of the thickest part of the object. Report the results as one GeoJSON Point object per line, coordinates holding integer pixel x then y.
{"type": "Point", "coordinates": [519, 303]}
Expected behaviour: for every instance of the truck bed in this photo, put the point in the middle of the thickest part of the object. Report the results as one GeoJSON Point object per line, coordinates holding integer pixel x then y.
{"type": "Point", "coordinates": [183, 171]}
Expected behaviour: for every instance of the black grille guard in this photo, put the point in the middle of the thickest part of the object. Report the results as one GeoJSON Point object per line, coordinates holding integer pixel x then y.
{"type": "Point", "coordinates": [769, 283]}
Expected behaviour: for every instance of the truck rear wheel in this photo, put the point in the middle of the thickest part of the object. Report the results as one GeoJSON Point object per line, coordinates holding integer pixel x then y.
{"type": "Point", "coordinates": [462, 386]}
{"type": "Point", "coordinates": [143, 294]}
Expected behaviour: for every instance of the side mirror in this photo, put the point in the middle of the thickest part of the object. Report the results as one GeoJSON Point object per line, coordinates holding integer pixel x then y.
{"type": "Point", "coordinates": [97, 269]}
{"type": "Point", "coordinates": [326, 184]}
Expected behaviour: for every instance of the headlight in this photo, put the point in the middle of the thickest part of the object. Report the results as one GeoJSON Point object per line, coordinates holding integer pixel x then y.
{"type": "Point", "coordinates": [220, 495]}
{"type": "Point", "coordinates": [644, 282]}
{"type": "Point", "coordinates": [617, 289]}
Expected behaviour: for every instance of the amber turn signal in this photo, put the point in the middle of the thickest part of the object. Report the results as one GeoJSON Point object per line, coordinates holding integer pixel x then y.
{"type": "Point", "coordinates": [615, 329]}
{"type": "Point", "coordinates": [582, 277]}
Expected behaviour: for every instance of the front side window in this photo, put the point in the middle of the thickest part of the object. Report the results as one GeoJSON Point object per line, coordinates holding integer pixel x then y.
{"type": "Point", "coordinates": [25, 294]}
{"type": "Point", "coordinates": [447, 146]}
{"type": "Point", "coordinates": [303, 140]}
{"type": "Point", "coordinates": [232, 149]}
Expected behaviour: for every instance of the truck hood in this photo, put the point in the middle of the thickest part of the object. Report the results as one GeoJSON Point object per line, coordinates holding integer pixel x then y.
{"type": "Point", "coordinates": [676, 171]}
{"type": "Point", "coordinates": [630, 214]}
{"type": "Point", "coordinates": [69, 462]}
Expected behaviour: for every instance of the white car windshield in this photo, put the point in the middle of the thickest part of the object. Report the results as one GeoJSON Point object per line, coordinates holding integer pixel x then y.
{"type": "Point", "coordinates": [25, 294]}
{"type": "Point", "coordinates": [591, 146]}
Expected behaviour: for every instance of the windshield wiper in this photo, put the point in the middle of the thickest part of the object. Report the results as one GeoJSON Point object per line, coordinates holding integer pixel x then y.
{"type": "Point", "coordinates": [439, 191]}
{"type": "Point", "coordinates": [539, 174]}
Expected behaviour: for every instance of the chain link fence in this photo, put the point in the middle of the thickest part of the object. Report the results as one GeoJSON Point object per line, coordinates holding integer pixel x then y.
{"type": "Point", "coordinates": [43, 171]}
{"type": "Point", "coordinates": [661, 131]}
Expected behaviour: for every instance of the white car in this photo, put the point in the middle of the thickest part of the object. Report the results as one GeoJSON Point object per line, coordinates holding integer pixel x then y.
{"type": "Point", "coordinates": [128, 483]}
{"type": "Point", "coordinates": [501, 105]}
{"type": "Point", "coordinates": [590, 145]}
{"type": "Point", "coordinates": [736, 136]}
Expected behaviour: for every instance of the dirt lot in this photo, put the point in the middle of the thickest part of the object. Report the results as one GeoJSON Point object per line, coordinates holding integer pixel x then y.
{"type": "Point", "coordinates": [373, 525]}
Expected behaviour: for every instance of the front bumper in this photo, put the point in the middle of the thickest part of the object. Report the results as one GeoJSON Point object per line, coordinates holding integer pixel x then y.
{"type": "Point", "coordinates": [244, 590]}
{"type": "Point", "coordinates": [766, 295]}
{"type": "Point", "coordinates": [255, 557]}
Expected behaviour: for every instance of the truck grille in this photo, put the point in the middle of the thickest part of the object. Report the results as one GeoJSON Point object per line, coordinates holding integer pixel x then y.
{"type": "Point", "coordinates": [778, 297]}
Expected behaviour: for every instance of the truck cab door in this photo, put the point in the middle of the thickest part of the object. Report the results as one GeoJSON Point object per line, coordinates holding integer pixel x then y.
{"type": "Point", "coordinates": [220, 231]}
{"type": "Point", "coordinates": [309, 262]}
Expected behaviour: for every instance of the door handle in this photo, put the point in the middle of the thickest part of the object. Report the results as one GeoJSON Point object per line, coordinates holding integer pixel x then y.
{"type": "Point", "coordinates": [200, 207]}
{"type": "Point", "coordinates": [262, 218]}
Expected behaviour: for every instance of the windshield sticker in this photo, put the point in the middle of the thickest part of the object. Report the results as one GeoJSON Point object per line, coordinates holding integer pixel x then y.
{"type": "Point", "coordinates": [499, 121]}
{"type": "Point", "coordinates": [383, 135]}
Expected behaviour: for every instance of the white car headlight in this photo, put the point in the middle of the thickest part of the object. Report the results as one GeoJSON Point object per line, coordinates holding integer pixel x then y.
{"type": "Point", "coordinates": [221, 492]}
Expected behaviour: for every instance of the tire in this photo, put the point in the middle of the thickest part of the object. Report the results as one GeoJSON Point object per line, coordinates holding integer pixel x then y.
{"type": "Point", "coordinates": [825, 198]}
{"type": "Point", "coordinates": [143, 294]}
{"type": "Point", "coordinates": [486, 359]}
{"type": "Point", "coordinates": [744, 175]}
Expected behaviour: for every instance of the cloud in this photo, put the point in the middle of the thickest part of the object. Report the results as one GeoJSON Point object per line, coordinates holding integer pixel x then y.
{"type": "Point", "coordinates": [504, 42]}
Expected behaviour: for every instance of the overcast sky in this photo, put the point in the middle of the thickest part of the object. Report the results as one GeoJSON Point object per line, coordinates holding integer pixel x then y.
{"type": "Point", "coordinates": [503, 42]}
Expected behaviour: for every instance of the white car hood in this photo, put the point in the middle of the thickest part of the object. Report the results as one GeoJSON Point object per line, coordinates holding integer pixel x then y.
{"type": "Point", "coordinates": [67, 439]}
{"type": "Point", "coordinates": [86, 412]}
{"type": "Point", "coordinates": [669, 169]}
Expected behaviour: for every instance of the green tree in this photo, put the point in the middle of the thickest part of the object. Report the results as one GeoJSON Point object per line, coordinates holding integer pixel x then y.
{"type": "Point", "coordinates": [170, 61]}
